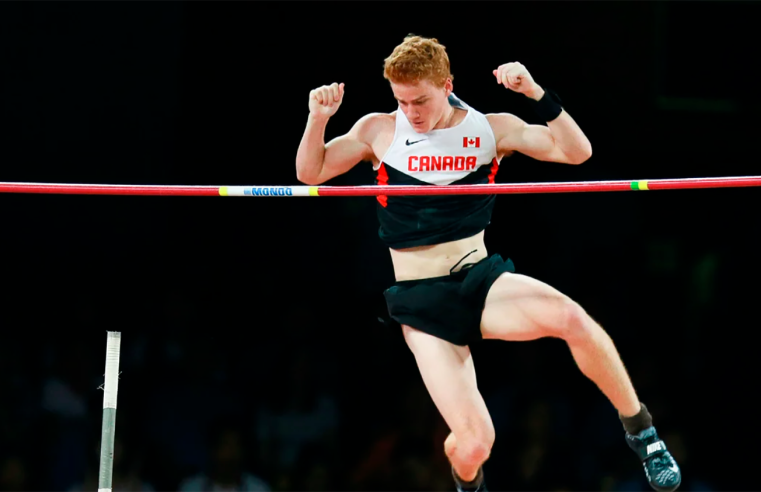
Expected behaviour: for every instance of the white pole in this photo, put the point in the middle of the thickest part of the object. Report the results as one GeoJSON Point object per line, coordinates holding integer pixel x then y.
{"type": "Point", "coordinates": [111, 388]}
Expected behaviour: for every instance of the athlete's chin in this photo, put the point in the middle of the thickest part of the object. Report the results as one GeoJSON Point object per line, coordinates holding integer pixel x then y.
{"type": "Point", "coordinates": [420, 126]}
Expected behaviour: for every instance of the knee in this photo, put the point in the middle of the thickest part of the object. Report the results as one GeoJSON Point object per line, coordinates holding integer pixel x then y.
{"type": "Point", "coordinates": [575, 324]}
{"type": "Point", "coordinates": [475, 450]}
{"type": "Point", "coordinates": [475, 447]}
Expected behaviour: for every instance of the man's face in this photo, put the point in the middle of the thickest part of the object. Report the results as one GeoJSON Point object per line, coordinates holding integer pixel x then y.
{"type": "Point", "coordinates": [423, 103]}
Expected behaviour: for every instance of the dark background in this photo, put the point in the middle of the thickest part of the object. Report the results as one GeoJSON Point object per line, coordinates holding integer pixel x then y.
{"type": "Point", "coordinates": [252, 325]}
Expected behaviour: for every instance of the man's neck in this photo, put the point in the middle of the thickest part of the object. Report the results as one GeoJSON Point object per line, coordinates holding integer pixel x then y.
{"type": "Point", "coordinates": [446, 120]}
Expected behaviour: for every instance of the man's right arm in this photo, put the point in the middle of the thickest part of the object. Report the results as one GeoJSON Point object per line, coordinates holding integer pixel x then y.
{"type": "Point", "coordinates": [317, 162]}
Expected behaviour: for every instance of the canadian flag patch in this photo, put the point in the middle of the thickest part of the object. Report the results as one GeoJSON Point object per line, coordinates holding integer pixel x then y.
{"type": "Point", "coordinates": [471, 142]}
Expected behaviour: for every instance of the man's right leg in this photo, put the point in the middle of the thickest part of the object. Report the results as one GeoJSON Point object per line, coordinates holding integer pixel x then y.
{"type": "Point", "coordinates": [450, 377]}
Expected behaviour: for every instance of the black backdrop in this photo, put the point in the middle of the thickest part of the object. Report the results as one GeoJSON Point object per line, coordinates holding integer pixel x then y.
{"type": "Point", "coordinates": [216, 94]}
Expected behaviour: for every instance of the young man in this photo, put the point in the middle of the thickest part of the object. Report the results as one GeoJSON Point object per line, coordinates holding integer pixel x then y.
{"type": "Point", "coordinates": [449, 292]}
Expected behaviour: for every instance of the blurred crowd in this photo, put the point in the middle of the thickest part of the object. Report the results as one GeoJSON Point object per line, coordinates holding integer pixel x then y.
{"type": "Point", "coordinates": [213, 411]}
{"type": "Point", "coordinates": [197, 428]}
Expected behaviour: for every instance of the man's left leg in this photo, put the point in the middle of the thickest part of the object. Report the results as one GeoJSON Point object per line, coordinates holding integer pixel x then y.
{"type": "Point", "coordinates": [450, 377]}
{"type": "Point", "coordinates": [520, 308]}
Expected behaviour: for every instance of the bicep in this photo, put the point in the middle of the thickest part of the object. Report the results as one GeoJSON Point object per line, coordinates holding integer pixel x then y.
{"type": "Point", "coordinates": [344, 152]}
{"type": "Point", "coordinates": [535, 141]}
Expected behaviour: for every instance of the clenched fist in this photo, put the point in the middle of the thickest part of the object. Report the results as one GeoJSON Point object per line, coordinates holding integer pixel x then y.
{"type": "Point", "coordinates": [324, 101]}
{"type": "Point", "coordinates": [515, 77]}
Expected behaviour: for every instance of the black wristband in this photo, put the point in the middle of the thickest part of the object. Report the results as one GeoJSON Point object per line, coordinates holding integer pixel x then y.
{"type": "Point", "coordinates": [548, 107]}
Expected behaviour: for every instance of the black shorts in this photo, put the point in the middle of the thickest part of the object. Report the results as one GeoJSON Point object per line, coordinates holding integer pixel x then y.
{"type": "Point", "coordinates": [448, 307]}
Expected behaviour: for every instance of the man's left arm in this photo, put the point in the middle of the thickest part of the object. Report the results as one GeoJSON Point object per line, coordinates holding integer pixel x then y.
{"type": "Point", "coordinates": [560, 141]}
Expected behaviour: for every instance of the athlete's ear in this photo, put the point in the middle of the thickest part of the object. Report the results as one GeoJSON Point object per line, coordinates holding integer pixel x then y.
{"type": "Point", "coordinates": [448, 86]}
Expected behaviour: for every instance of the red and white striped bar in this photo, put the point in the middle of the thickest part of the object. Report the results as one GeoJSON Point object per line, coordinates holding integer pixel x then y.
{"type": "Point", "coordinates": [376, 190]}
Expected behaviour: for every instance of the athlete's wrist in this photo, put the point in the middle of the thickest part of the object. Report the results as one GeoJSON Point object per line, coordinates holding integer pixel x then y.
{"type": "Point", "coordinates": [319, 119]}
{"type": "Point", "coordinates": [536, 94]}
{"type": "Point", "coordinates": [548, 106]}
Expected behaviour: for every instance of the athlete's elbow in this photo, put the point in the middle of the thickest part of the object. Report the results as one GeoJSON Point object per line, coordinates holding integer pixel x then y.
{"type": "Point", "coordinates": [580, 156]}
{"type": "Point", "coordinates": [307, 175]}
{"type": "Point", "coordinates": [307, 179]}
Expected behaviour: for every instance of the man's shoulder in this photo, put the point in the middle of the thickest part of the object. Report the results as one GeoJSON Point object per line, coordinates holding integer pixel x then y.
{"type": "Point", "coordinates": [502, 119]}
{"type": "Point", "coordinates": [503, 124]}
{"type": "Point", "coordinates": [378, 119]}
{"type": "Point", "coordinates": [373, 124]}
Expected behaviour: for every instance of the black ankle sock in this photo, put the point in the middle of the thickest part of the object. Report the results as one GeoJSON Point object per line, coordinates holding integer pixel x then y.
{"type": "Point", "coordinates": [472, 485]}
{"type": "Point", "coordinates": [637, 423]}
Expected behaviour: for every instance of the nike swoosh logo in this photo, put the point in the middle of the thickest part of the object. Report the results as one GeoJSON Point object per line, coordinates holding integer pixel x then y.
{"type": "Point", "coordinates": [416, 141]}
